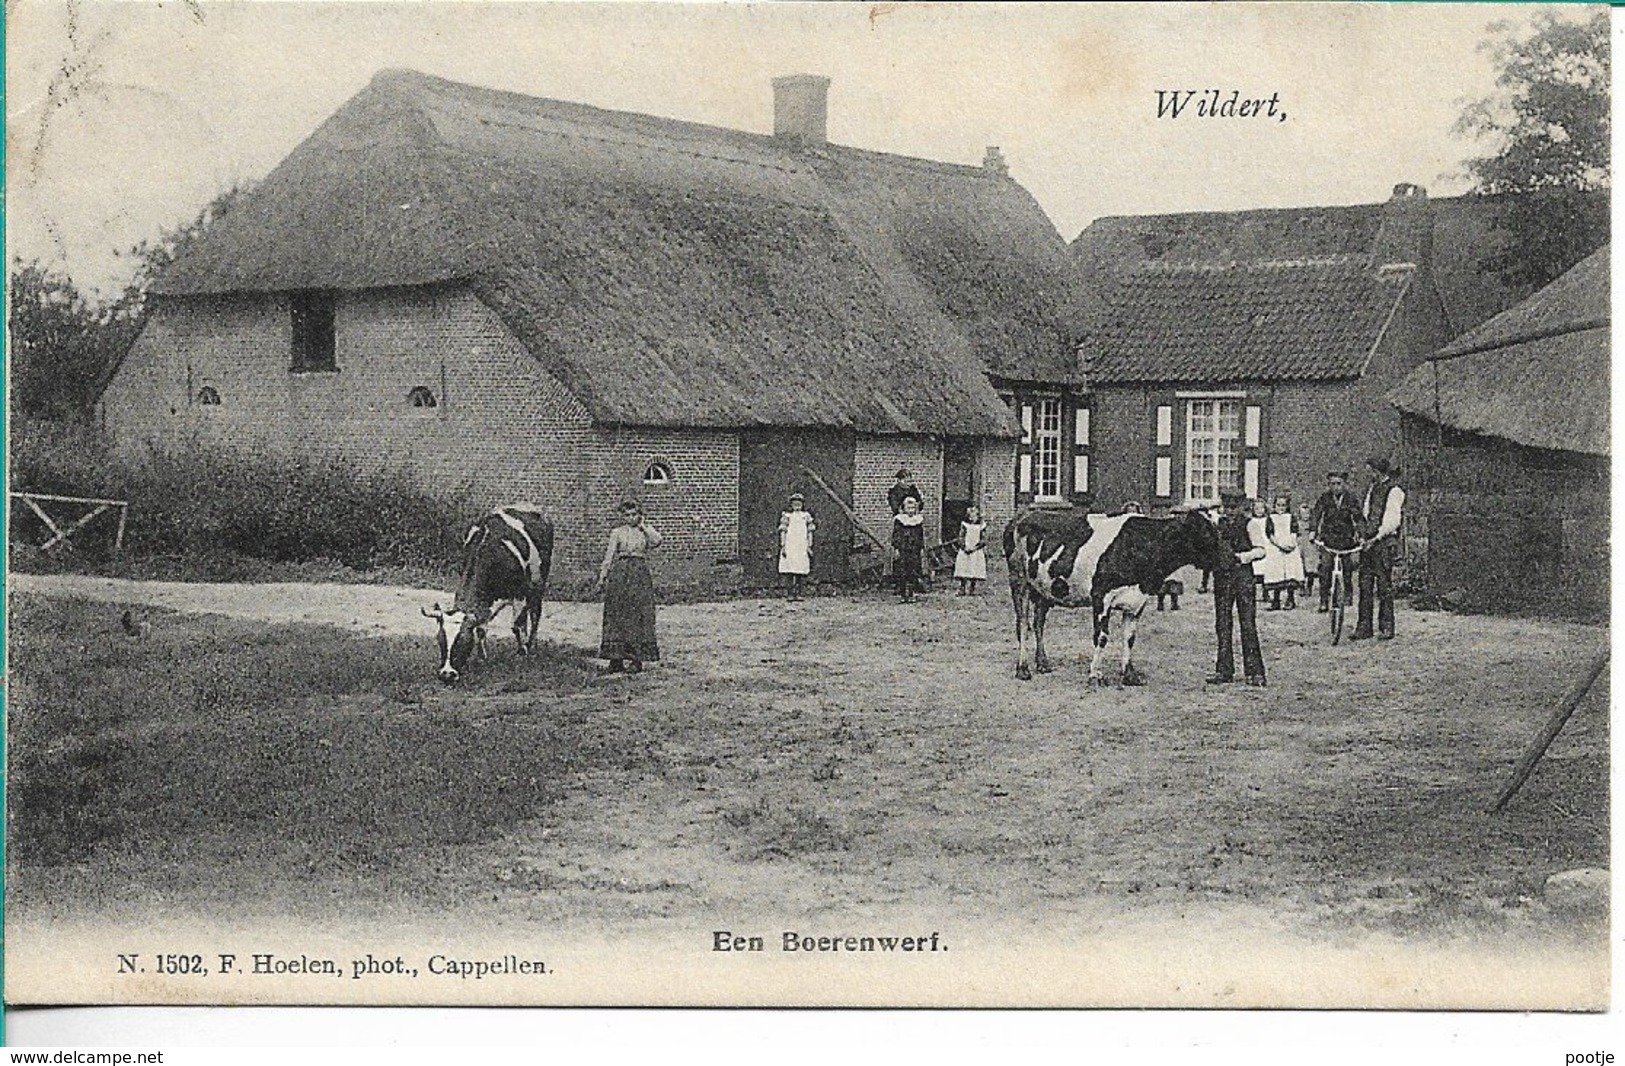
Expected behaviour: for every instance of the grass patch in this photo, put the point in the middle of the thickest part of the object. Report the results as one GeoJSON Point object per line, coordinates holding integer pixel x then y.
{"type": "Point", "coordinates": [215, 503]}
{"type": "Point", "coordinates": [290, 745]}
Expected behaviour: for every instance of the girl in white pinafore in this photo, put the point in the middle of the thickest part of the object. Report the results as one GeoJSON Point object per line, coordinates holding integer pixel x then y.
{"type": "Point", "coordinates": [795, 544]}
{"type": "Point", "coordinates": [1282, 564]}
{"type": "Point", "coordinates": [970, 565]}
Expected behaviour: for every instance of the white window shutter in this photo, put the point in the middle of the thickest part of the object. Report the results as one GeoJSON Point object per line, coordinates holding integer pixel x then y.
{"type": "Point", "coordinates": [1249, 473]}
{"type": "Point", "coordinates": [1080, 473]}
{"type": "Point", "coordinates": [1165, 475]}
{"type": "Point", "coordinates": [1254, 418]}
{"type": "Point", "coordinates": [1026, 426]}
{"type": "Point", "coordinates": [1024, 475]}
{"type": "Point", "coordinates": [1165, 426]}
{"type": "Point", "coordinates": [1080, 433]}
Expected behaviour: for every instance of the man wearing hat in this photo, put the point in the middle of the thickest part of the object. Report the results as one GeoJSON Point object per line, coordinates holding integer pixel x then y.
{"type": "Point", "coordinates": [1335, 523]}
{"type": "Point", "coordinates": [1384, 504]}
{"type": "Point", "coordinates": [1233, 594]}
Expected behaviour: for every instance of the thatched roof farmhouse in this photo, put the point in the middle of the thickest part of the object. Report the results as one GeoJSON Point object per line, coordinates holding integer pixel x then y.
{"type": "Point", "coordinates": [629, 303]}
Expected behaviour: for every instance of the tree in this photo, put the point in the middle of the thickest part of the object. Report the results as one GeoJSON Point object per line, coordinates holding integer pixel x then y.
{"type": "Point", "coordinates": [64, 344]}
{"type": "Point", "coordinates": [1548, 123]}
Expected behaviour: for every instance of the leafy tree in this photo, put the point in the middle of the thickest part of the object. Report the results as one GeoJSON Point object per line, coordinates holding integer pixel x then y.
{"type": "Point", "coordinates": [64, 344]}
{"type": "Point", "coordinates": [1548, 123]}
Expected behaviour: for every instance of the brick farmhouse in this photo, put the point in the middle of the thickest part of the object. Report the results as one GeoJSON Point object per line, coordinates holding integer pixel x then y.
{"type": "Point", "coordinates": [1255, 349]}
{"type": "Point", "coordinates": [539, 300]}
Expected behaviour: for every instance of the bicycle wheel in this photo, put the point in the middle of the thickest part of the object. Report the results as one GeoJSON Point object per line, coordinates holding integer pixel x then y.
{"type": "Point", "coordinates": [1337, 605]}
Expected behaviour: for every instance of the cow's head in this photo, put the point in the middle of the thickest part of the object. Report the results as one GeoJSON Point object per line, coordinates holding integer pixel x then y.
{"type": "Point", "coordinates": [460, 632]}
{"type": "Point", "coordinates": [1199, 543]}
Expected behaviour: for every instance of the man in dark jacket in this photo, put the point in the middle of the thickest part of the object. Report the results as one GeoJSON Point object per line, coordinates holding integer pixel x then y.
{"type": "Point", "coordinates": [1233, 595]}
{"type": "Point", "coordinates": [1334, 523]}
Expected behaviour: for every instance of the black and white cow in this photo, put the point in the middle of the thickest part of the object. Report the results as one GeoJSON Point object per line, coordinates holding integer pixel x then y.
{"type": "Point", "coordinates": [507, 556]}
{"type": "Point", "coordinates": [1111, 563]}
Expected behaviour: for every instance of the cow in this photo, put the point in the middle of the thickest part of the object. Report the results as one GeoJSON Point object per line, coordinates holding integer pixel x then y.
{"type": "Point", "coordinates": [1112, 563]}
{"type": "Point", "coordinates": [506, 559]}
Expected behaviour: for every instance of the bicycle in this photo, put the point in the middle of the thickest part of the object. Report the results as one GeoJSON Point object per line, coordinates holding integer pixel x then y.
{"type": "Point", "coordinates": [1339, 588]}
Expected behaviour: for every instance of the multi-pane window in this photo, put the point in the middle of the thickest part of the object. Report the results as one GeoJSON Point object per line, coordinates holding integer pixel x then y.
{"type": "Point", "coordinates": [1212, 448]}
{"type": "Point", "coordinates": [1047, 450]}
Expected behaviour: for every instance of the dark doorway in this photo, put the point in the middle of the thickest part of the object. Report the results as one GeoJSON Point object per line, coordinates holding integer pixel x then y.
{"type": "Point", "coordinates": [771, 468]}
{"type": "Point", "coordinates": [958, 483]}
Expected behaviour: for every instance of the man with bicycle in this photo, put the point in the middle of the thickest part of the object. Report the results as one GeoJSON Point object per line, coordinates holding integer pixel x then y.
{"type": "Point", "coordinates": [1384, 506]}
{"type": "Point", "coordinates": [1334, 524]}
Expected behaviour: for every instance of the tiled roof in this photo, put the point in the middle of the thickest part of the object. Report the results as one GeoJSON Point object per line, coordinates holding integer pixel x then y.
{"type": "Point", "coordinates": [1465, 236]}
{"type": "Point", "coordinates": [1297, 320]}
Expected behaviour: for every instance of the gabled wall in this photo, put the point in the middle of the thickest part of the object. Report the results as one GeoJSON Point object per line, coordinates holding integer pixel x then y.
{"type": "Point", "coordinates": [502, 429]}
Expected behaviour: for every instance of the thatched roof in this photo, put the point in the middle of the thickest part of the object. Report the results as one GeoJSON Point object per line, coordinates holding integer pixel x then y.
{"type": "Point", "coordinates": [1463, 234]}
{"type": "Point", "coordinates": [1536, 374]}
{"type": "Point", "coordinates": [1269, 321]}
{"type": "Point", "coordinates": [670, 273]}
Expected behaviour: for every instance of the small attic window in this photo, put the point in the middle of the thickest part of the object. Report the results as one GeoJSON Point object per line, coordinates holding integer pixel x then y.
{"type": "Point", "coordinates": [208, 396]}
{"type": "Point", "coordinates": [422, 396]}
{"type": "Point", "coordinates": [314, 333]}
{"type": "Point", "coordinates": [658, 472]}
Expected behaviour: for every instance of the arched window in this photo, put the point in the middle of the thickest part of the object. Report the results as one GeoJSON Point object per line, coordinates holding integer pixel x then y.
{"type": "Point", "coordinates": [658, 473]}
{"type": "Point", "coordinates": [208, 396]}
{"type": "Point", "coordinates": [422, 396]}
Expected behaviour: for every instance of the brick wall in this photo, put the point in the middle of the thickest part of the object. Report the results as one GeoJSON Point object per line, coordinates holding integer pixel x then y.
{"type": "Point", "coordinates": [697, 512]}
{"type": "Point", "coordinates": [996, 481]}
{"type": "Point", "coordinates": [876, 461]}
{"type": "Point", "coordinates": [1511, 525]}
{"type": "Point", "coordinates": [502, 430]}
{"type": "Point", "coordinates": [1120, 457]}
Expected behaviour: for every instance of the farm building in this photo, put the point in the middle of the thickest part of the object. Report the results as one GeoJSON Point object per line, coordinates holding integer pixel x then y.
{"type": "Point", "coordinates": [1255, 349]}
{"type": "Point", "coordinates": [1506, 448]}
{"type": "Point", "coordinates": [549, 301]}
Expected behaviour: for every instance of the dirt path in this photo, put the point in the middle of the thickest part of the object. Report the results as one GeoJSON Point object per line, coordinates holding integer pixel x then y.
{"type": "Point", "coordinates": [851, 759]}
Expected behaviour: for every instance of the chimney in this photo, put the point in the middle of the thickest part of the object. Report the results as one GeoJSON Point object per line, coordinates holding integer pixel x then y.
{"type": "Point", "coordinates": [801, 109]}
{"type": "Point", "coordinates": [1405, 237]}
{"type": "Point", "coordinates": [994, 162]}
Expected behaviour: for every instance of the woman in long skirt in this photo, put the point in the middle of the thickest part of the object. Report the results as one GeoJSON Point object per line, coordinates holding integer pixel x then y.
{"type": "Point", "coordinates": [628, 639]}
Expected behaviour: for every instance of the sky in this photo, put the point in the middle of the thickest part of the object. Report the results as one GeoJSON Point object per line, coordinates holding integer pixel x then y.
{"type": "Point", "coordinates": [125, 118]}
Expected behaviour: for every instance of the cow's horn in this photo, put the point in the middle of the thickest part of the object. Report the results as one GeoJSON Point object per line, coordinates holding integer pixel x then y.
{"type": "Point", "coordinates": [437, 614]}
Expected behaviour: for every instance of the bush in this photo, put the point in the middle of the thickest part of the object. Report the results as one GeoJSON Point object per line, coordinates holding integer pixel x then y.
{"type": "Point", "coordinates": [198, 501]}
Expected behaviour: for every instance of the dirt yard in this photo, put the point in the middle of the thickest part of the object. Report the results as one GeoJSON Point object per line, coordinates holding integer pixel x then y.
{"type": "Point", "coordinates": [846, 756]}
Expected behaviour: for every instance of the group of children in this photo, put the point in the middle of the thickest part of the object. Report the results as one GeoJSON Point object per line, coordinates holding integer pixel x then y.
{"type": "Point", "coordinates": [796, 528]}
{"type": "Point", "coordinates": [1290, 562]}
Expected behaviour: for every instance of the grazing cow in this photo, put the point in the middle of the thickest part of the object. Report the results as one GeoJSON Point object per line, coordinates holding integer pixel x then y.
{"type": "Point", "coordinates": [507, 555]}
{"type": "Point", "coordinates": [1112, 563]}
